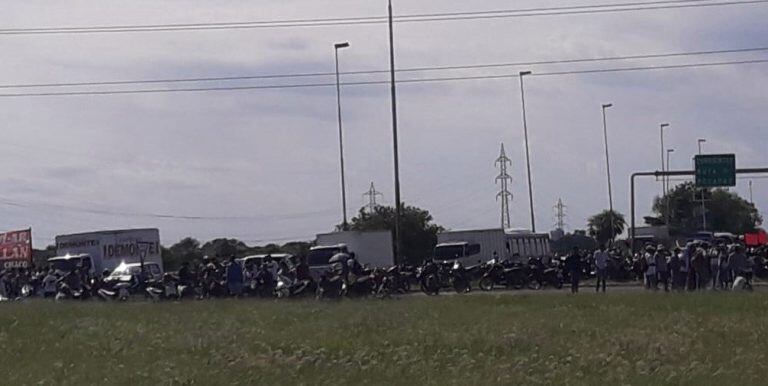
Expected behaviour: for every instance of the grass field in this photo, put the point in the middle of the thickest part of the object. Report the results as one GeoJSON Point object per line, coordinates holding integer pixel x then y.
{"type": "Point", "coordinates": [548, 338]}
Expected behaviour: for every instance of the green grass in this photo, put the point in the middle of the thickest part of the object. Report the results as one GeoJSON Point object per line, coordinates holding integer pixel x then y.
{"type": "Point", "coordinates": [630, 338]}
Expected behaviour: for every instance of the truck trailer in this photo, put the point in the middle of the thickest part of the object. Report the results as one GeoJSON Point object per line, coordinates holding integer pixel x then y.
{"type": "Point", "coordinates": [471, 246]}
{"type": "Point", "coordinates": [106, 250]}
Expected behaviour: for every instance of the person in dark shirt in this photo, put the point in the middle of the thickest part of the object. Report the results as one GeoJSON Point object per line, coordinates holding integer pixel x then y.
{"type": "Point", "coordinates": [185, 276]}
{"type": "Point", "coordinates": [573, 266]}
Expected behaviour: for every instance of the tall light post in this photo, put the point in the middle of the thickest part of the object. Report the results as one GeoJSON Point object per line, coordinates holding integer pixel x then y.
{"type": "Point", "coordinates": [663, 178]}
{"type": "Point", "coordinates": [669, 151]}
{"type": "Point", "coordinates": [393, 93]}
{"type": "Point", "coordinates": [608, 169]}
{"type": "Point", "coordinates": [527, 153]}
{"type": "Point", "coordinates": [336, 48]}
{"type": "Point", "coordinates": [703, 205]}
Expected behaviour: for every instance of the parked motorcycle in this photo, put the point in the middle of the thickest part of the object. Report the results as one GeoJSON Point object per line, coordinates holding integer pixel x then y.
{"type": "Point", "coordinates": [460, 278]}
{"type": "Point", "coordinates": [427, 276]}
{"type": "Point", "coordinates": [288, 288]}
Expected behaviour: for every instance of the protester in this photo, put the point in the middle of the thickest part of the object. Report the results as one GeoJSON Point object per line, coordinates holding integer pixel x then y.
{"type": "Point", "coordinates": [674, 265]}
{"type": "Point", "coordinates": [739, 265]}
{"type": "Point", "coordinates": [601, 267]}
{"type": "Point", "coordinates": [662, 271]}
{"type": "Point", "coordinates": [700, 266]}
{"type": "Point", "coordinates": [650, 267]}
{"type": "Point", "coordinates": [573, 266]}
{"type": "Point", "coordinates": [234, 277]}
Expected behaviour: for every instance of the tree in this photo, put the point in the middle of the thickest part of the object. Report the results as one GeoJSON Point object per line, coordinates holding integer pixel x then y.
{"type": "Point", "coordinates": [579, 239]}
{"type": "Point", "coordinates": [417, 232]}
{"type": "Point", "coordinates": [725, 211]}
{"type": "Point", "coordinates": [599, 226]}
{"type": "Point", "coordinates": [186, 250]}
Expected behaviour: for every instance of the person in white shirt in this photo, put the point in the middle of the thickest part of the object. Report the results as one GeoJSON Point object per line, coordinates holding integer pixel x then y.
{"type": "Point", "coordinates": [49, 284]}
{"type": "Point", "coordinates": [601, 266]}
{"type": "Point", "coordinates": [650, 270]}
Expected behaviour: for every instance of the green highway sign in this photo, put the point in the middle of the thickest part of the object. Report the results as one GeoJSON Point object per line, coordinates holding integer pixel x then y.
{"type": "Point", "coordinates": [714, 170]}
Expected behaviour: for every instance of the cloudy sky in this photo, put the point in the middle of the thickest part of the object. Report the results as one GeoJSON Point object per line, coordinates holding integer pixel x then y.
{"type": "Point", "coordinates": [270, 157]}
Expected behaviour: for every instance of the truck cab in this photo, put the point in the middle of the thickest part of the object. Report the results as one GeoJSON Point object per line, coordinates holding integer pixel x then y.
{"type": "Point", "coordinates": [126, 271]}
{"type": "Point", "coordinates": [464, 252]}
{"type": "Point", "coordinates": [68, 263]}
{"type": "Point", "coordinates": [319, 258]}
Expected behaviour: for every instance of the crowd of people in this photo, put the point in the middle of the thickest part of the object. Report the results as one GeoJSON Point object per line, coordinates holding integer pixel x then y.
{"type": "Point", "coordinates": [695, 266]}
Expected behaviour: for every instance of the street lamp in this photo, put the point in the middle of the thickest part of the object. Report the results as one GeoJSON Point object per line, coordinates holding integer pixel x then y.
{"type": "Point", "coordinates": [608, 168]}
{"type": "Point", "coordinates": [663, 178]}
{"type": "Point", "coordinates": [336, 48]}
{"type": "Point", "coordinates": [527, 153]}
{"type": "Point", "coordinates": [669, 151]}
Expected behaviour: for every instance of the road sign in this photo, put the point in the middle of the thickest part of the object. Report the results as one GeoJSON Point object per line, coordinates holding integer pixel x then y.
{"type": "Point", "coordinates": [714, 170]}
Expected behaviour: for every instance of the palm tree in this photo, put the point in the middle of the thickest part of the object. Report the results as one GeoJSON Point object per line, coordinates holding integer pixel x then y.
{"type": "Point", "coordinates": [599, 226]}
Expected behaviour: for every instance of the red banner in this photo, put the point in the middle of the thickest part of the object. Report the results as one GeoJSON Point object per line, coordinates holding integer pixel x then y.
{"type": "Point", "coordinates": [756, 239]}
{"type": "Point", "coordinates": [16, 249]}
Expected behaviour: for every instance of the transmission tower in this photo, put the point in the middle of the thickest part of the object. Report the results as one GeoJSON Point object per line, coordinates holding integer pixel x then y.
{"type": "Point", "coordinates": [372, 194]}
{"type": "Point", "coordinates": [504, 194]}
{"type": "Point", "coordinates": [559, 214]}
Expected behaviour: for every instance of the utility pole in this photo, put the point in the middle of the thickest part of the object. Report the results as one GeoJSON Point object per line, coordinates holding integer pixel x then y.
{"type": "Point", "coordinates": [394, 134]}
{"type": "Point", "coordinates": [608, 172]}
{"type": "Point", "coordinates": [336, 48]}
{"type": "Point", "coordinates": [703, 205]}
{"type": "Point", "coordinates": [560, 214]}
{"type": "Point", "coordinates": [751, 201]}
{"type": "Point", "coordinates": [669, 151]}
{"type": "Point", "coordinates": [527, 154]}
{"type": "Point", "coordinates": [663, 169]}
{"type": "Point", "coordinates": [372, 194]}
{"type": "Point", "coordinates": [504, 194]}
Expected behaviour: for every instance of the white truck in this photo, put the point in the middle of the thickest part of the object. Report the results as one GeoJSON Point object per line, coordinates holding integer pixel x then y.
{"type": "Point", "coordinates": [108, 250]}
{"type": "Point", "coordinates": [473, 246]}
{"type": "Point", "coordinates": [371, 248]}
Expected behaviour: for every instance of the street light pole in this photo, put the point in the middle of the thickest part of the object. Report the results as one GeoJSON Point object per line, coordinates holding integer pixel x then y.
{"type": "Point", "coordinates": [336, 48]}
{"type": "Point", "coordinates": [608, 170]}
{"type": "Point", "coordinates": [663, 178]}
{"type": "Point", "coordinates": [393, 91]}
{"type": "Point", "coordinates": [527, 153]}
{"type": "Point", "coordinates": [703, 205]}
{"type": "Point", "coordinates": [669, 151]}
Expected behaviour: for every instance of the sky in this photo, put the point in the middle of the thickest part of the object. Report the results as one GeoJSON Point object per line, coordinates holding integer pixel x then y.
{"type": "Point", "coordinates": [265, 163]}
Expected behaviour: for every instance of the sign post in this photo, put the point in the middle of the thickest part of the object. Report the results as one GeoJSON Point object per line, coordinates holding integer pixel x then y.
{"type": "Point", "coordinates": [715, 170]}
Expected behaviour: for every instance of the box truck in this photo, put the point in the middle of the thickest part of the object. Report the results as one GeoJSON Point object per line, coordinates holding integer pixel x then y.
{"type": "Point", "coordinates": [107, 250]}
{"type": "Point", "coordinates": [471, 246]}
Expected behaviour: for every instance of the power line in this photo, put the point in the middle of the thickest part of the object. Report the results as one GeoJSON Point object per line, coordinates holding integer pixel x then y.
{"type": "Point", "coordinates": [371, 72]}
{"type": "Point", "coordinates": [365, 83]}
{"type": "Point", "coordinates": [8, 202]}
{"type": "Point", "coordinates": [477, 15]}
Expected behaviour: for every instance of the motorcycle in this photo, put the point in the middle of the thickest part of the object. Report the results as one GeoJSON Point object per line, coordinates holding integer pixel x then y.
{"type": "Point", "coordinates": [460, 278]}
{"type": "Point", "coordinates": [514, 276]}
{"type": "Point", "coordinates": [359, 286]}
{"type": "Point", "coordinates": [64, 291]}
{"type": "Point", "coordinates": [120, 291]}
{"type": "Point", "coordinates": [330, 286]}
{"type": "Point", "coordinates": [543, 276]}
{"type": "Point", "coordinates": [288, 288]}
{"type": "Point", "coordinates": [429, 281]}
